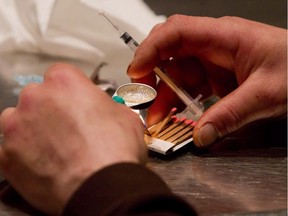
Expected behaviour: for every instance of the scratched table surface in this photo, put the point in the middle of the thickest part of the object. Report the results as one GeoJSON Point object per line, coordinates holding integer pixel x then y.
{"type": "Point", "coordinates": [245, 174]}
{"type": "Point", "coordinates": [242, 182]}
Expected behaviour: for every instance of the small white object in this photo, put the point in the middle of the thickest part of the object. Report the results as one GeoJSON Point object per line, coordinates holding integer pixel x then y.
{"type": "Point", "coordinates": [165, 148]}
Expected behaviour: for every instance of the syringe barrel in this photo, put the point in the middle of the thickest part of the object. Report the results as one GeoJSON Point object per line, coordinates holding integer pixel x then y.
{"type": "Point", "coordinates": [129, 41]}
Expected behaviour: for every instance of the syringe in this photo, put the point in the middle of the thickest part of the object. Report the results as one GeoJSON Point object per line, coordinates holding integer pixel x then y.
{"type": "Point", "coordinates": [194, 108]}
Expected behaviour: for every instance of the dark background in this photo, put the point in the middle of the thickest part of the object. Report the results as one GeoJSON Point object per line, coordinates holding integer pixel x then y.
{"type": "Point", "coordinates": [272, 12]}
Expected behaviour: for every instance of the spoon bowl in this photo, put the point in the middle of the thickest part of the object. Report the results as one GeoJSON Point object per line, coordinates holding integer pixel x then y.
{"type": "Point", "coordinates": [137, 95]}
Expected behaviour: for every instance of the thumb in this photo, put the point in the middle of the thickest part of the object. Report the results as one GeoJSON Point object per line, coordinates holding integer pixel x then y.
{"type": "Point", "coordinates": [249, 102]}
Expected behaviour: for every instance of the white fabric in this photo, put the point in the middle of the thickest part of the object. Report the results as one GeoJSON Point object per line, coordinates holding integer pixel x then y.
{"type": "Point", "coordinates": [74, 29]}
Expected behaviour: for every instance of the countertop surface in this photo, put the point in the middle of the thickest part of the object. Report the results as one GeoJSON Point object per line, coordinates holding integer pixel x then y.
{"type": "Point", "coordinates": [242, 182]}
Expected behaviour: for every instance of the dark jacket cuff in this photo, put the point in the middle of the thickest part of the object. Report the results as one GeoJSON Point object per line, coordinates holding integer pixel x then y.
{"type": "Point", "coordinates": [125, 189]}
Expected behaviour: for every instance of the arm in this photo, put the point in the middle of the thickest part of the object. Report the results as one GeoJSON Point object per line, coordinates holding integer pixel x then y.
{"type": "Point", "coordinates": [66, 138]}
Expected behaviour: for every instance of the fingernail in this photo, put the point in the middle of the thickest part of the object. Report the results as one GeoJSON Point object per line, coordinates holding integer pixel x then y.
{"type": "Point", "coordinates": [207, 135]}
{"type": "Point", "coordinates": [128, 71]}
{"type": "Point", "coordinates": [128, 67]}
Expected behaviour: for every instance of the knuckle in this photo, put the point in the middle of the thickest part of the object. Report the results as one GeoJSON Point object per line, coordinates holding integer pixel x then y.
{"type": "Point", "coordinates": [27, 96]}
{"type": "Point", "coordinates": [180, 22]}
{"type": "Point", "coordinates": [7, 124]}
{"type": "Point", "coordinates": [62, 74]}
{"type": "Point", "coordinates": [175, 18]}
{"type": "Point", "coordinates": [156, 27]}
{"type": "Point", "coordinates": [59, 71]}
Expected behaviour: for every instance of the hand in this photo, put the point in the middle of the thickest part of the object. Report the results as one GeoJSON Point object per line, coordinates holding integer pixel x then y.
{"type": "Point", "coordinates": [242, 61]}
{"type": "Point", "coordinates": [61, 132]}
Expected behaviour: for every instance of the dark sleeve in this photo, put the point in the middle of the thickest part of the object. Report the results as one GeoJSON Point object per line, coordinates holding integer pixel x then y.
{"type": "Point", "coordinates": [125, 189]}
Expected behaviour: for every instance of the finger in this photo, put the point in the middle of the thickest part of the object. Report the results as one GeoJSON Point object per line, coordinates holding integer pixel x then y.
{"type": "Point", "coordinates": [26, 97]}
{"type": "Point", "coordinates": [6, 119]}
{"type": "Point", "coordinates": [253, 100]}
{"type": "Point", "coordinates": [165, 100]}
{"type": "Point", "coordinates": [7, 128]}
{"type": "Point", "coordinates": [172, 40]}
{"type": "Point", "coordinates": [196, 36]}
{"type": "Point", "coordinates": [56, 69]}
{"type": "Point", "coordinates": [62, 75]}
{"type": "Point", "coordinates": [31, 85]}
{"type": "Point", "coordinates": [64, 80]}
{"type": "Point", "coordinates": [156, 27]}
{"type": "Point", "coordinates": [150, 80]}
{"type": "Point", "coordinates": [5, 122]}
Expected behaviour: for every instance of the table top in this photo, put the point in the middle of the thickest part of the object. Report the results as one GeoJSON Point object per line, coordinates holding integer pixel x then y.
{"type": "Point", "coordinates": [246, 182]}
{"type": "Point", "coordinates": [244, 174]}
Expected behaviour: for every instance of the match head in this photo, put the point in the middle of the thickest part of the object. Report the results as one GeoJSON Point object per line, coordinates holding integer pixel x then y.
{"type": "Point", "coordinates": [174, 109]}
{"type": "Point", "coordinates": [175, 119]}
{"type": "Point", "coordinates": [183, 119]}
{"type": "Point", "coordinates": [188, 122]}
{"type": "Point", "coordinates": [194, 123]}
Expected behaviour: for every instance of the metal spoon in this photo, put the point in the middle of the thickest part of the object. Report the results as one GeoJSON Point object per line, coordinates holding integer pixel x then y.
{"type": "Point", "coordinates": [137, 95]}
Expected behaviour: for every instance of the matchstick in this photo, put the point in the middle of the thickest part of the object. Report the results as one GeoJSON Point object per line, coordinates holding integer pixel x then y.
{"type": "Point", "coordinates": [176, 121]}
{"type": "Point", "coordinates": [187, 127]}
{"type": "Point", "coordinates": [179, 127]}
{"type": "Point", "coordinates": [164, 122]}
{"type": "Point", "coordinates": [154, 127]}
{"type": "Point", "coordinates": [183, 138]}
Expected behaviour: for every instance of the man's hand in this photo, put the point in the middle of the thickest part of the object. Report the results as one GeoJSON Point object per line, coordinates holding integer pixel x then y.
{"type": "Point", "coordinates": [60, 133]}
{"type": "Point", "coordinates": [243, 62]}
